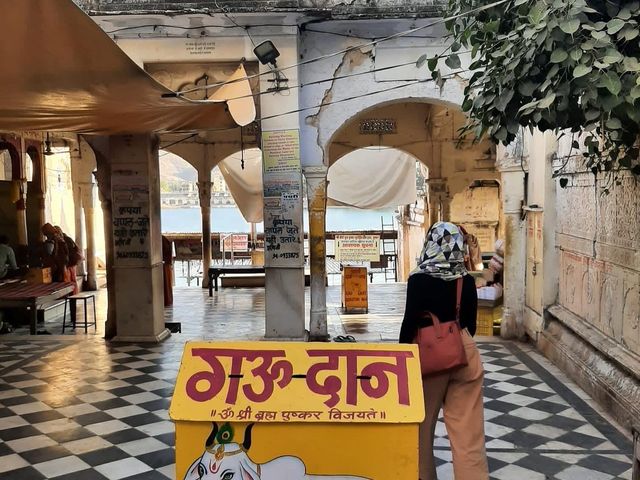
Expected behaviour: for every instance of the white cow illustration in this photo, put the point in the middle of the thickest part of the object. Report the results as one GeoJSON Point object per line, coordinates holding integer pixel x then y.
{"type": "Point", "coordinates": [225, 460]}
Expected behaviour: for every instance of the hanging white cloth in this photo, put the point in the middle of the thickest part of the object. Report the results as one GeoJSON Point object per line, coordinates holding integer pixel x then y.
{"type": "Point", "coordinates": [390, 179]}
{"type": "Point", "coordinates": [245, 185]}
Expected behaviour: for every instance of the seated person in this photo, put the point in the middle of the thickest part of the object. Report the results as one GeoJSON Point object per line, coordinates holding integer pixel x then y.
{"type": "Point", "coordinates": [7, 258]}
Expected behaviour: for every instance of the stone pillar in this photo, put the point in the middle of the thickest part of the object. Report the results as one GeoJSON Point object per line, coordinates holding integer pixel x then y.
{"type": "Point", "coordinates": [204, 192]}
{"type": "Point", "coordinates": [129, 166]}
{"type": "Point", "coordinates": [21, 214]}
{"type": "Point", "coordinates": [100, 146]}
{"type": "Point", "coordinates": [438, 201]}
{"type": "Point", "coordinates": [88, 202]}
{"type": "Point", "coordinates": [284, 275]}
{"type": "Point", "coordinates": [317, 197]}
{"type": "Point", "coordinates": [76, 179]}
{"type": "Point", "coordinates": [513, 181]}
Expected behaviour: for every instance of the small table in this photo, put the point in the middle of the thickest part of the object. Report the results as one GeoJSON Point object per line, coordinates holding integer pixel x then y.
{"type": "Point", "coordinates": [33, 296]}
{"type": "Point", "coordinates": [215, 272]}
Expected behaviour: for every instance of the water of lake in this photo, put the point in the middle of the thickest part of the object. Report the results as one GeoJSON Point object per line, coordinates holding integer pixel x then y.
{"type": "Point", "coordinates": [229, 220]}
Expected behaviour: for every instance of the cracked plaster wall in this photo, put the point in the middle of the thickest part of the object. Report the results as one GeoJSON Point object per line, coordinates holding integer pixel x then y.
{"type": "Point", "coordinates": [319, 126]}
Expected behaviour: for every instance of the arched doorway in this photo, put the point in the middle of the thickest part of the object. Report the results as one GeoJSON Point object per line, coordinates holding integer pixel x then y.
{"type": "Point", "coordinates": [462, 184]}
{"type": "Point", "coordinates": [10, 191]}
{"type": "Point", "coordinates": [34, 199]}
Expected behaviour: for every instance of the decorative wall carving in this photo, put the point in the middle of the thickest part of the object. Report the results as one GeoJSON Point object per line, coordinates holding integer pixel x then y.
{"type": "Point", "coordinates": [601, 286]}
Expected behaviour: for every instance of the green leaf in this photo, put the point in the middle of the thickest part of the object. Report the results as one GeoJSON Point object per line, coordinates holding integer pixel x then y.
{"type": "Point", "coordinates": [591, 115]}
{"type": "Point", "coordinates": [615, 25]}
{"type": "Point", "coordinates": [421, 61]}
{"type": "Point", "coordinates": [614, 123]}
{"type": "Point", "coordinates": [631, 64]}
{"type": "Point", "coordinates": [611, 82]}
{"type": "Point", "coordinates": [612, 56]}
{"type": "Point", "coordinates": [547, 101]}
{"type": "Point", "coordinates": [559, 55]}
{"type": "Point", "coordinates": [453, 62]}
{"type": "Point", "coordinates": [455, 46]}
{"type": "Point", "coordinates": [635, 92]}
{"type": "Point", "coordinates": [570, 26]}
{"type": "Point", "coordinates": [519, 2]}
{"type": "Point", "coordinates": [629, 33]}
{"type": "Point", "coordinates": [599, 35]}
{"type": "Point", "coordinates": [503, 100]}
{"type": "Point", "coordinates": [527, 88]}
{"type": "Point", "coordinates": [432, 64]}
{"type": "Point", "coordinates": [538, 12]}
{"type": "Point", "coordinates": [502, 134]}
{"type": "Point", "coordinates": [625, 14]}
{"type": "Point", "coordinates": [576, 54]}
{"type": "Point", "coordinates": [529, 106]}
{"type": "Point", "coordinates": [581, 71]}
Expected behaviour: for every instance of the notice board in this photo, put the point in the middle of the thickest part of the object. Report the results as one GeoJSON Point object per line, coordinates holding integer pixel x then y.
{"type": "Point", "coordinates": [282, 180]}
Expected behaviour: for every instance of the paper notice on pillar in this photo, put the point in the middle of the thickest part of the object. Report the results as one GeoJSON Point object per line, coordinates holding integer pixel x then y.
{"type": "Point", "coordinates": [282, 179]}
{"type": "Point", "coordinates": [130, 218]}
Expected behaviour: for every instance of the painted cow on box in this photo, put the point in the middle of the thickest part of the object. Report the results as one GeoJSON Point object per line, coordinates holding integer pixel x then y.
{"type": "Point", "coordinates": [225, 460]}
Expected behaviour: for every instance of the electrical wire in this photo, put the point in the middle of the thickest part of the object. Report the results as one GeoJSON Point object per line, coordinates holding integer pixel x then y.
{"type": "Point", "coordinates": [323, 80]}
{"type": "Point", "coordinates": [228, 17]}
{"type": "Point", "coordinates": [179, 27]}
{"type": "Point", "coordinates": [349, 49]}
{"type": "Point", "coordinates": [354, 97]}
{"type": "Point", "coordinates": [179, 141]}
{"type": "Point", "coordinates": [360, 37]}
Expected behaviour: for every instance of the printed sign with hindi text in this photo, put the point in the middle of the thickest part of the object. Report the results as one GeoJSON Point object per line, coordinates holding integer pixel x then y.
{"type": "Point", "coordinates": [130, 216]}
{"type": "Point", "coordinates": [357, 248]}
{"type": "Point", "coordinates": [235, 243]}
{"type": "Point", "coordinates": [282, 183]}
{"type": "Point", "coordinates": [293, 382]}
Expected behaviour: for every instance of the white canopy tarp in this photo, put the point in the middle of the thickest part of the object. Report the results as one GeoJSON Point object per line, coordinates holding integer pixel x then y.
{"type": "Point", "coordinates": [61, 72]}
{"type": "Point", "coordinates": [390, 180]}
{"type": "Point", "coordinates": [245, 185]}
{"type": "Point", "coordinates": [372, 179]}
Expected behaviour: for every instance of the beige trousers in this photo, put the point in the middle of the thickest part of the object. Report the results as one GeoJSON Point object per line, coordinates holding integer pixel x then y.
{"type": "Point", "coordinates": [459, 394]}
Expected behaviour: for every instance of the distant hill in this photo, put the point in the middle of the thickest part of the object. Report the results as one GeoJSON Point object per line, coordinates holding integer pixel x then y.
{"type": "Point", "coordinates": [175, 169]}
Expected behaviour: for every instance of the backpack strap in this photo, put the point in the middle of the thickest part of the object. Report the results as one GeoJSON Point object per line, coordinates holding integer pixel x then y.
{"type": "Point", "coordinates": [458, 298]}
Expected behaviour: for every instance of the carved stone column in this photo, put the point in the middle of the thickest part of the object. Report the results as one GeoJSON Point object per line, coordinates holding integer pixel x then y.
{"type": "Point", "coordinates": [87, 191]}
{"type": "Point", "coordinates": [204, 192]}
{"type": "Point", "coordinates": [317, 197]}
{"type": "Point", "coordinates": [509, 165]}
{"type": "Point", "coordinates": [76, 180]}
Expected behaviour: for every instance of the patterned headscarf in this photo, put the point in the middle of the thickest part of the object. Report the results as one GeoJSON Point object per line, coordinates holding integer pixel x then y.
{"type": "Point", "coordinates": [443, 253]}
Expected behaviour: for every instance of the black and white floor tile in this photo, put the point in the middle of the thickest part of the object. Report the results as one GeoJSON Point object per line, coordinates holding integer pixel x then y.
{"type": "Point", "coordinates": [76, 407]}
{"type": "Point", "coordinates": [93, 411]}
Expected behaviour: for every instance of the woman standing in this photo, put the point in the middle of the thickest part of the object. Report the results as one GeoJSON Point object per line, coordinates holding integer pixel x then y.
{"type": "Point", "coordinates": [433, 288]}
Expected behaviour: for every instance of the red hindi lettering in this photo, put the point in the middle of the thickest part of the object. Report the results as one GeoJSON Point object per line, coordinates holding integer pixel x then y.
{"type": "Point", "coordinates": [379, 371]}
{"type": "Point", "coordinates": [270, 373]}
{"type": "Point", "coordinates": [215, 378]}
{"type": "Point", "coordinates": [280, 372]}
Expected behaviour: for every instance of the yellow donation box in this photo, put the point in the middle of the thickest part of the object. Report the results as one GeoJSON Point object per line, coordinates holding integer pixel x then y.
{"type": "Point", "coordinates": [355, 294]}
{"type": "Point", "coordinates": [297, 411]}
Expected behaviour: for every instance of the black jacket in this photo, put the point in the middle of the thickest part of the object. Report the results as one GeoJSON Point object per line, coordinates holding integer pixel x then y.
{"type": "Point", "coordinates": [429, 294]}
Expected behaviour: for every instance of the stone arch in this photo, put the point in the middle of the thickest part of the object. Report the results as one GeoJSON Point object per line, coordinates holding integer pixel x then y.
{"type": "Point", "coordinates": [14, 153]}
{"type": "Point", "coordinates": [350, 115]}
{"type": "Point", "coordinates": [178, 179]}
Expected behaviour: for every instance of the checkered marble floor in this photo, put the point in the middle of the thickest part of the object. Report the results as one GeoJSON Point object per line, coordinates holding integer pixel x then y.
{"type": "Point", "coordinates": [76, 407]}
{"type": "Point", "coordinates": [90, 410]}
